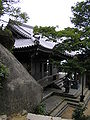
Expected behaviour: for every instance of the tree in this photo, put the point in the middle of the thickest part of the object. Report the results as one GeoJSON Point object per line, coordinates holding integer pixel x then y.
{"type": "Point", "coordinates": [75, 39]}
{"type": "Point", "coordinates": [7, 7]}
{"type": "Point", "coordinates": [81, 14]}
{"type": "Point", "coordinates": [79, 40]}
{"type": "Point", "coordinates": [48, 32]}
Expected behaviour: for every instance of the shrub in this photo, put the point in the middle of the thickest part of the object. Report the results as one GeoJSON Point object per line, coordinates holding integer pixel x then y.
{"type": "Point", "coordinates": [6, 38]}
{"type": "Point", "coordinates": [40, 109]}
{"type": "Point", "coordinates": [3, 73]}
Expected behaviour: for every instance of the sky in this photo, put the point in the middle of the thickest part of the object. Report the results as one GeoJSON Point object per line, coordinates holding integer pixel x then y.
{"type": "Point", "coordinates": [49, 12]}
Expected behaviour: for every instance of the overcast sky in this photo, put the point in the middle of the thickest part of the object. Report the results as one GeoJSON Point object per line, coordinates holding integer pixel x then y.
{"type": "Point", "coordinates": [49, 12]}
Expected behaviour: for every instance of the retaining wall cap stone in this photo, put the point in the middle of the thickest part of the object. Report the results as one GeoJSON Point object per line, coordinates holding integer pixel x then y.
{"type": "Point", "coordinates": [31, 116]}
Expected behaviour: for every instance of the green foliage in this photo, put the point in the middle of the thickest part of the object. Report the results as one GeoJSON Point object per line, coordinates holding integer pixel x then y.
{"type": "Point", "coordinates": [73, 65]}
{"type": "Point", "coordinates": [73, 39]}
{"type": "Point", "coordinates": [6, 38]}
{"type": "Point", "coordinates": [24, 16]}
{"type": "Point", "coordinates": [87, 64]}
{"type": "Point", "coordinates": [78, 113]}
{"type": "Point", "coordinates": [3, 73]}
{"type": "Point", "coordinates": [7, 7]}
{"type": "Point", "coordinates": [1, 8]}
{"type": "Point", "coordinates": [81, 12]}
{"type": "Point", "coordinates": [19, 16]}
{"type": "Point", "coordinates": [5, 32]}
{"type": "Point", "coordinates": [40, 109]}
{"type": "Point", "coordinates": [48, 32]}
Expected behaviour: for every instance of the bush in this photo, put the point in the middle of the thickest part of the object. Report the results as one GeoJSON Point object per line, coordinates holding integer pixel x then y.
{"type": "Point", "coordinates": [3, 73]}
{"type": "Point", "coordinates": [40, 109]}
{"type": "Point", "coordinates": [6, 38]}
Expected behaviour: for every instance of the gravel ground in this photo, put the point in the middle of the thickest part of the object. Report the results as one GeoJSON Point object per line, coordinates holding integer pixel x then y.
{"type": "Point", "coordinates": [17, 117]}
{"type": "Point", "coordinates": [68, 112]}
{"type": "Point", "coordinates": [87, 111]}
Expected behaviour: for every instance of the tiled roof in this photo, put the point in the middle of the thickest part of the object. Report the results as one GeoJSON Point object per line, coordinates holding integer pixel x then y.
{"type": "Point", "coordinates": [19, 43]}
{"type": "Point", "coordinates": [22, 31]}
{"type": "Point", "coordinates": [27, 31]}
{"type": "Point", "coordinates": [47, 44]}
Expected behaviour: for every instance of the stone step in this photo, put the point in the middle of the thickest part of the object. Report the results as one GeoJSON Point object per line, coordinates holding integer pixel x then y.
{"type": "Point", "coordinates": [77, 100]}
{"type": "Point", "coordinates": [87, 97]}
{"type": "Point", "coordinates": [72, 103]}
{"type": "Point", "coordinates": [63, 94]}
{"type": "Point", "coordinates": [72, 100]}
{"type": "Point", "coordinates": [58, 81]}
{"type": "Point", "coordinates": [57, 112]}
{"type": "Point", "coordinates": [77, 95]}
{"type": "Point", "coordinates": [48, 94]}
{"type": "Point", "coordinates": [56, 86]}
{"type": "Point", "coordinates": [60, 84]}
{"type": "Point", "coordinates": [52, 103]}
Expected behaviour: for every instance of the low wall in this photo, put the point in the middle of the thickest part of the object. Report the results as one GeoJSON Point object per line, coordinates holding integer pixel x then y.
{"type": "Point", "coordinates": [31, 116]}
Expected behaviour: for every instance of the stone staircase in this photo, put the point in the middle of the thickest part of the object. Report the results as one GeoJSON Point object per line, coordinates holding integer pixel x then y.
{"type": "Point", "coordinates": [58, 83]}
{"type": "Point", "coordinates": [59, 110]}
{"type": "Point", "coordinates": [54, 104]}
{"type": "Point", "coordinates": [56, 101]}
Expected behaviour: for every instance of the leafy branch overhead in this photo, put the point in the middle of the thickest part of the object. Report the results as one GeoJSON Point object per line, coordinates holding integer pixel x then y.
{"type": "Point", "coordinates": [48, 32]}
{"type": "Point", "coordinates": [81, 13]}
{"type": "Point", "coordinates": [7, 7]}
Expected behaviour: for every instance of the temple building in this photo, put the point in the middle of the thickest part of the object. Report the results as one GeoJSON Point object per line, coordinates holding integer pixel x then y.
{"type": "Point", "coordinates": [35, 53]}
{"type": "Point", "coordinates": [38, 56]}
